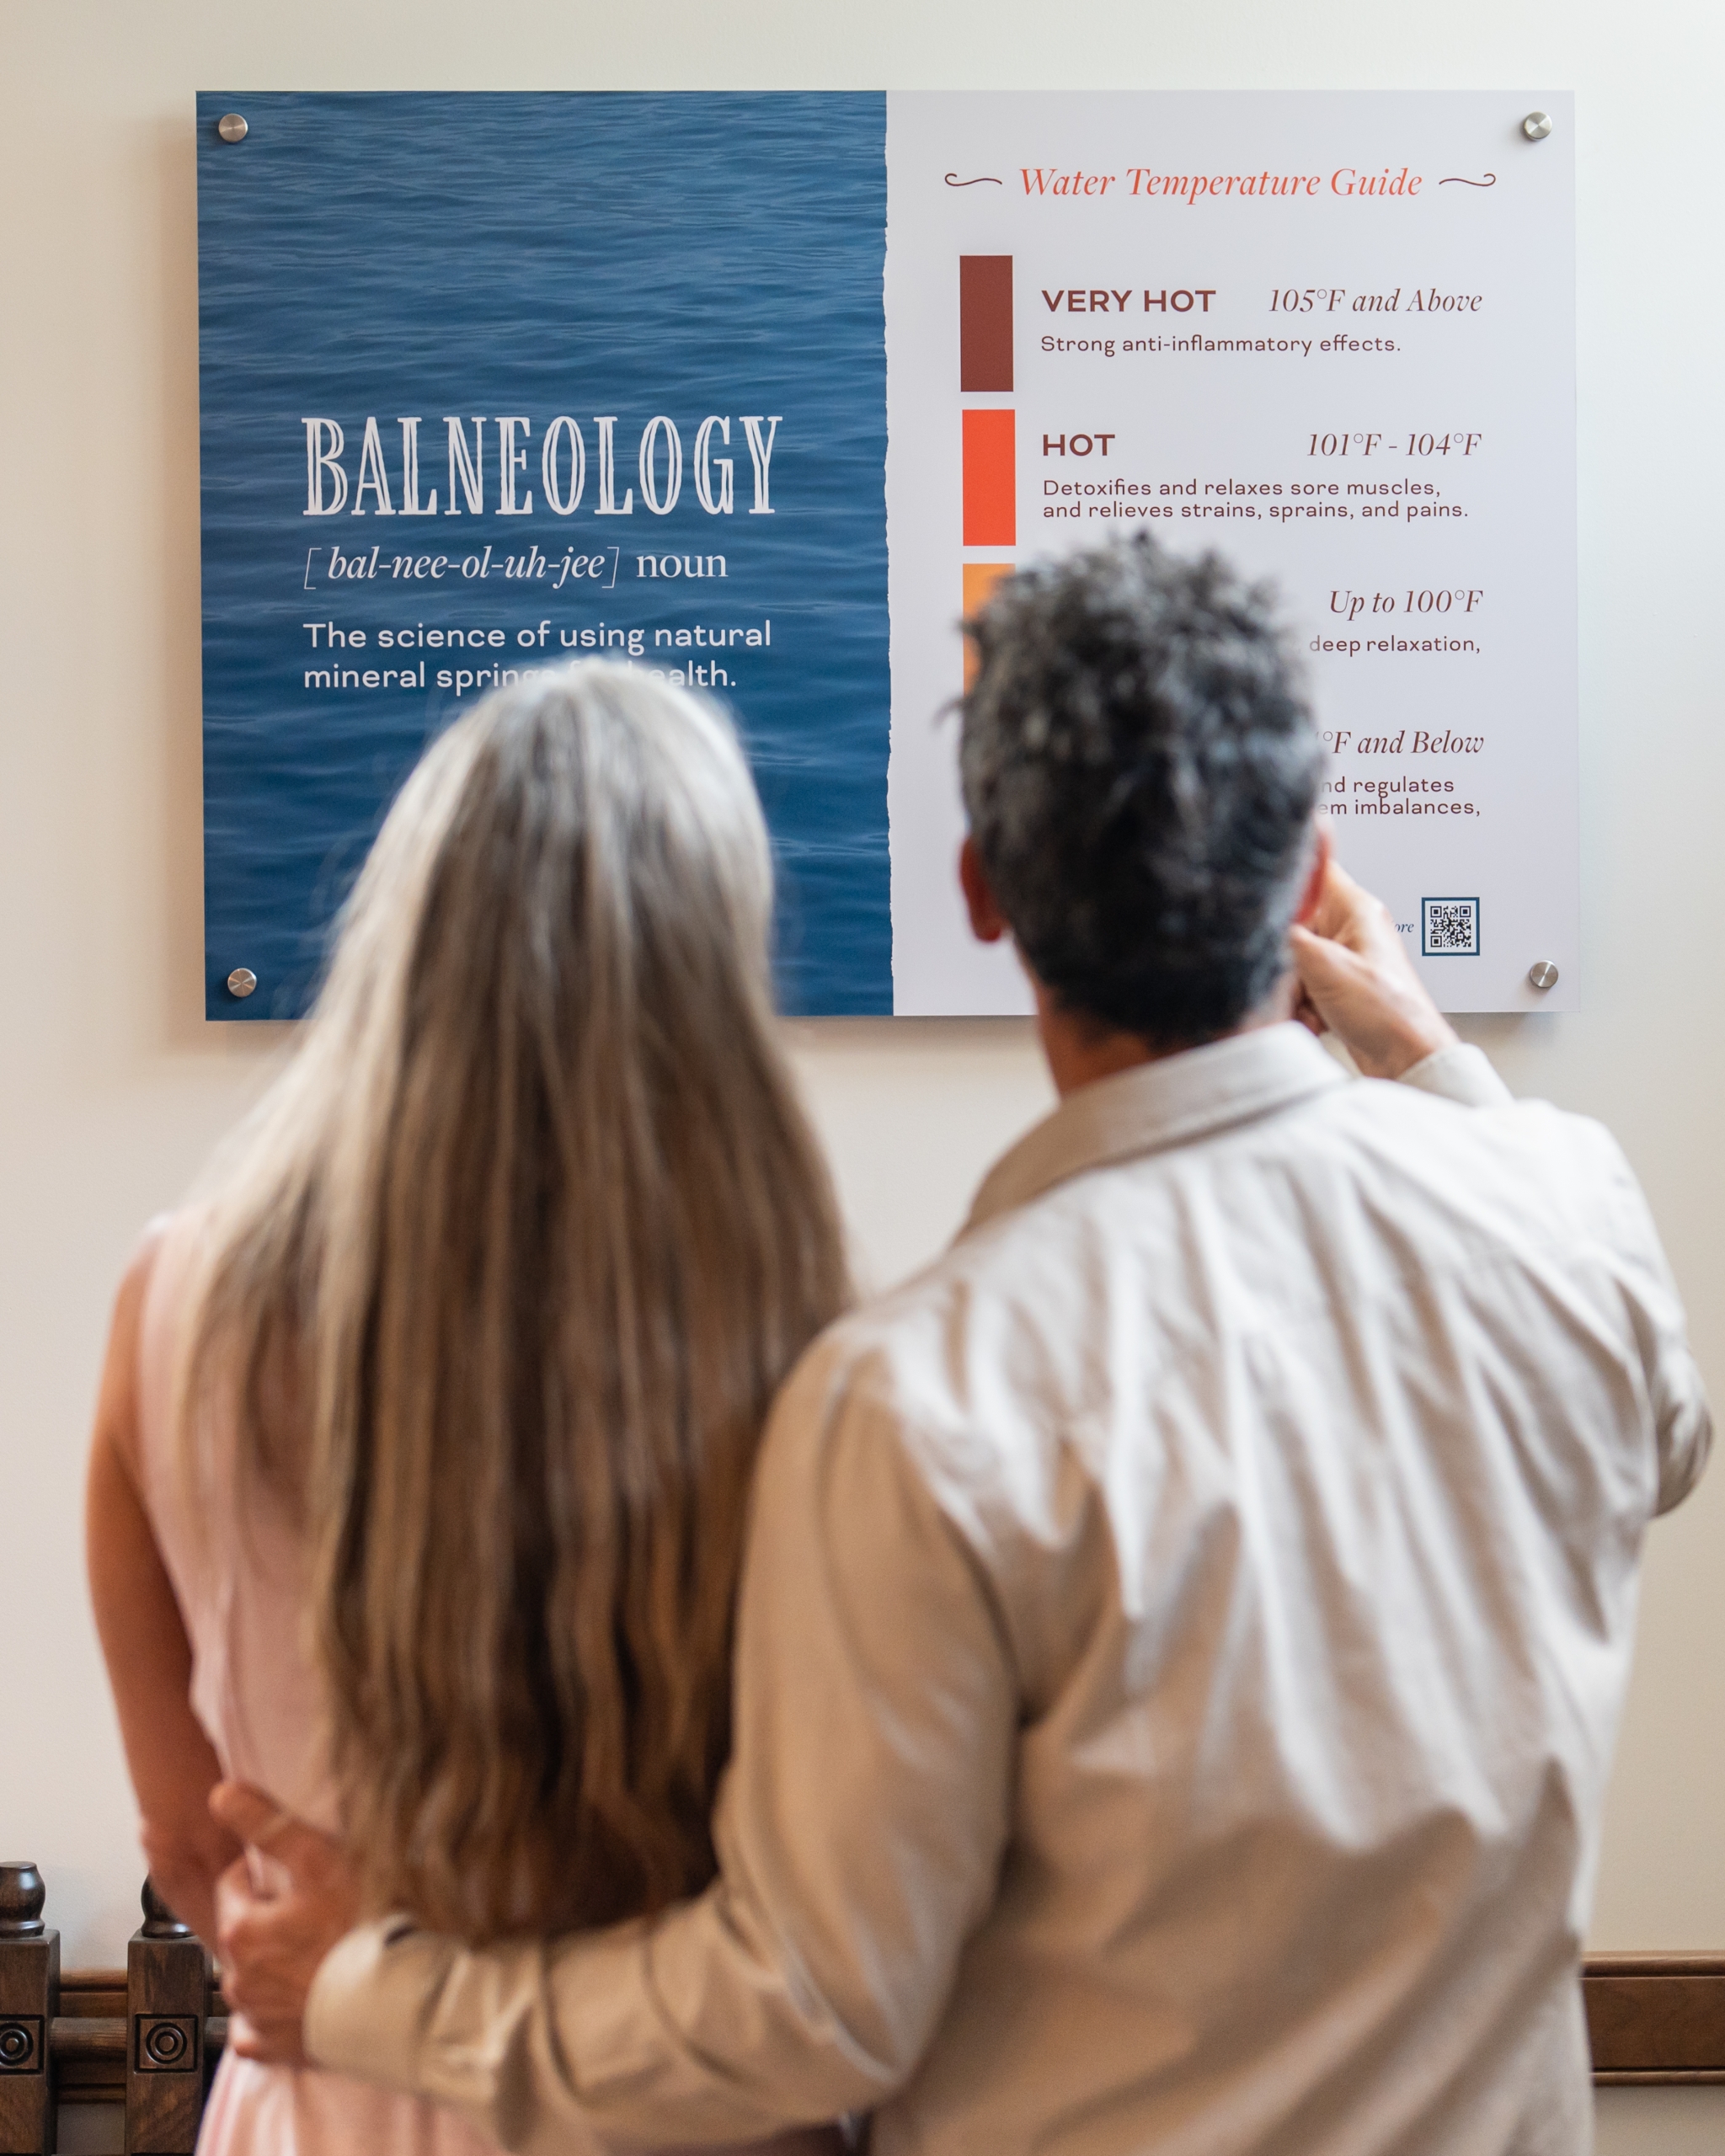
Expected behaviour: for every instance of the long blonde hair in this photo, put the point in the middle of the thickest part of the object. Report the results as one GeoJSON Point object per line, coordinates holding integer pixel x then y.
{"type": "Point", "coordinates": [527, 1236]}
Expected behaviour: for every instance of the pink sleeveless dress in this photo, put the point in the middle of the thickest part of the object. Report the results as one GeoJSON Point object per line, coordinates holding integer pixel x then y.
{"type": "Point", "coordinates": [241, 1591]}
{"type": "Point", "coordinates": [241, 1585]}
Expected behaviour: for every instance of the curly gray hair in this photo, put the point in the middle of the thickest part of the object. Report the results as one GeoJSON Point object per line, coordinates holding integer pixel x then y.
{"type": "Point", "coordinates": [1139, 769]}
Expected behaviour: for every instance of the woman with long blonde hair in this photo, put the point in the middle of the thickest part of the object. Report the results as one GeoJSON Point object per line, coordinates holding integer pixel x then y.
{"type": "Point", "coordinates": [422, 1460]}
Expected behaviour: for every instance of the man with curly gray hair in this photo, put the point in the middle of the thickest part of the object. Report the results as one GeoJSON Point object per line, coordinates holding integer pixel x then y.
{"type": "Point", "coordinates": [1139, 770]}
{"type": "Point", "coordinates": [1182, 1631]}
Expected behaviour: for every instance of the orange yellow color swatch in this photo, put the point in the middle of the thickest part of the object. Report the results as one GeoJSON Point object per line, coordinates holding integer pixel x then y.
{"type": "Point", "coordinates": [981, 578]}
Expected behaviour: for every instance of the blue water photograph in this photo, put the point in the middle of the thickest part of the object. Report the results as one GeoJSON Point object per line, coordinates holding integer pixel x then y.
{"type": "Point", "coordinates": [493, 381]}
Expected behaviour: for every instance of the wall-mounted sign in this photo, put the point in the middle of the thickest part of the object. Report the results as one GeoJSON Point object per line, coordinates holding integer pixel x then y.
{"type": "Point", "coordinates": [490, 382]}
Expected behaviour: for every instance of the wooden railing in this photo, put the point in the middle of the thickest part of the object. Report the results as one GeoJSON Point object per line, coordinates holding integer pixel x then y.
{"type": "Point", "coordinates": [148, 2035]}
{"type": "Point", "coordinates": [1656, 2017]}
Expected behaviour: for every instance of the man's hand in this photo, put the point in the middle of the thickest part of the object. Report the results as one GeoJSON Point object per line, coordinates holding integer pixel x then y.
{"type": "Point", "coordinates": [271, 1937]}
{"type": "Point", "coordinates": [1356, 980]}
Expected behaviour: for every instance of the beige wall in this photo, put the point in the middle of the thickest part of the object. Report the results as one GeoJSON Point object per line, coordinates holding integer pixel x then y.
{"type": "Point", "coordinates": [111, 1086]}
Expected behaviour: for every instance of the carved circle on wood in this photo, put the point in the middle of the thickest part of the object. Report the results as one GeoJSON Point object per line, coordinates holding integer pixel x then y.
{"type": "Point", "coordinates": [17, 2047]}
{"type": "Point", "coordinates": [165, 2044]}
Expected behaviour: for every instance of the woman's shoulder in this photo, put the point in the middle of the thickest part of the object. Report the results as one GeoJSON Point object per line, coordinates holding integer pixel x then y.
{"type": "Point", "coordinates": [119, 1412]}
{"type": "Point", "coordinates": [158, 1276]}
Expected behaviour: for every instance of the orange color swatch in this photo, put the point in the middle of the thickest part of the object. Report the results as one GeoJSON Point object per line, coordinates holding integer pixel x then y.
{"type": "Point", "coordinates": [990, 507]}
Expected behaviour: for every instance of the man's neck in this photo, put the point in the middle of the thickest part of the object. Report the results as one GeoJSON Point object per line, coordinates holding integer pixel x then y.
{"type": "Point", "coordinates": [1079, 1050]}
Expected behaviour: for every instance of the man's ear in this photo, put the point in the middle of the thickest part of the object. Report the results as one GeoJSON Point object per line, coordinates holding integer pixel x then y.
{"type": "Point", "coordinates": [1313, 896]}
{"type": "Point", "coordinates": [988, 924]}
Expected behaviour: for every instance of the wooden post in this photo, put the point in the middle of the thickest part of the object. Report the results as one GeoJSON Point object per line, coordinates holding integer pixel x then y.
{"type": "Point", "coordinates": [29, 2000]}
{"type": "Point", "coordinates": [167, 1979]}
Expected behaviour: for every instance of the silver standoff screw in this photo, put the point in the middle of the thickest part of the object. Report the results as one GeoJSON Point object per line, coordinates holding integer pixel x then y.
{"type": "Point", "coordinates": [232, 127]}
{"type": "Point", "coordinates": [242, 980]}
{"type": "Point", "coordinates": [1536, 126]}
{"type": "Point", "coordinates": [1543, 973]}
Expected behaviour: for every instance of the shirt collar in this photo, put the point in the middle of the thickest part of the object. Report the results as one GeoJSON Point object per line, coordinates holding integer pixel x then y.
{"type": "Point", "coordinates": [1155, 1106]}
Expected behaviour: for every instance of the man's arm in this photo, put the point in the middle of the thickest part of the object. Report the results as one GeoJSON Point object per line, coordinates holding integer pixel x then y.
{"type": "Point", "coordinates": [1461, 1073]}
{"type": "Point", "coordinates": [1357, 981]}
{"type": "Point", "coordinates": [860, 1831]}
{"type": "Point", "coordinates": [1677, 1402]}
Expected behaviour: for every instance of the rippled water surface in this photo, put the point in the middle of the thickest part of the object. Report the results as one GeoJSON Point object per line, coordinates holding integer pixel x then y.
{"type": "Point", "coordinates": [500, 255]}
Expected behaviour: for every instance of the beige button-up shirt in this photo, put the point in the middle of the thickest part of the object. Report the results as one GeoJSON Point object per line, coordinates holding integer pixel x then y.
{"type": "Point", "coordinates": [1182, 1639]}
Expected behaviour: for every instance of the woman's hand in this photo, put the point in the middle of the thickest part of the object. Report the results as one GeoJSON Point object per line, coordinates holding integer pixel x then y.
{"type": "Point", "coordinates": [271, 1942]}
{"type": "Point", "coordinates": [1356, 981]}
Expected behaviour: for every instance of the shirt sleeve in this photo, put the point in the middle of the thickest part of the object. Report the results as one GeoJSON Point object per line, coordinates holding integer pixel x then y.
{"type": "Point", "coordinates": [1460, 1073]}
{"type": "Point", "coordinates": [860, 1830]}
{"type": "Point", "coordinates": [1682, 1422]}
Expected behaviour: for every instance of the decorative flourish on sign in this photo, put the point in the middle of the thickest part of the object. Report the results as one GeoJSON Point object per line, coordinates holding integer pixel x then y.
{"type": "Point", "coordinates": [982, 179]}
{"type": "Point", "coordinates": [1456, 180]}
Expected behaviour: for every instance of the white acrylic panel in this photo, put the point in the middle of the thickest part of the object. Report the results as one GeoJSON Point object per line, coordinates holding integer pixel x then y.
{"type": "Point", "coordinates": [1370, 295]}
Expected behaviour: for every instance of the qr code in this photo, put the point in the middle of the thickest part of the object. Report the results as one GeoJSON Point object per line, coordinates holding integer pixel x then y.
{"type": "Point", "coordinates": [1451, 928]}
